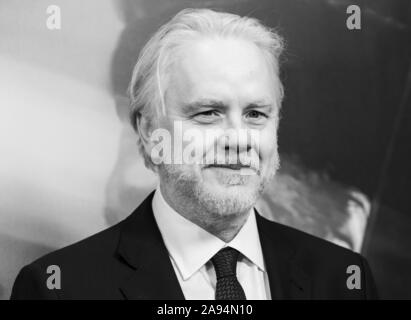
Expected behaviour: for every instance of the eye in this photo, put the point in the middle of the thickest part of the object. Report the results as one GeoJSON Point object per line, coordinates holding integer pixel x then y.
{"type": "Point", "coordinates": [207, 116]}
{"type": "Point", "coordinates": [255, 115]}
{"type": "Point", "coordinates": [208, 113]}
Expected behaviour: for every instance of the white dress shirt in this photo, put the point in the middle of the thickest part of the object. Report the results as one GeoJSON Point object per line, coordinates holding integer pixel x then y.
{"type": "Point", "coordinates": [191, 247]}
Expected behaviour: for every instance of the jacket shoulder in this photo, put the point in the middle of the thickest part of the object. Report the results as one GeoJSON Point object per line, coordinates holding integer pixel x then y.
{"type": "Point", "coordinates": [97, 246]}
{"type": "Point", "coordinates": [314, 252]}
{"type": "Point", "coordinates": [327, 264]}
{"type": "Point", "coordinates": [82, 268]}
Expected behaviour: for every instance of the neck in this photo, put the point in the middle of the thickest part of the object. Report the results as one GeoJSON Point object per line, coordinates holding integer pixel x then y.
{"type": "Point", "coordinates": [224, 227]}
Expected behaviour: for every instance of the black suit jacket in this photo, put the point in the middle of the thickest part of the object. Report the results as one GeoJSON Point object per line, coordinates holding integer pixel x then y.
{"type": "Point", "coordinates": [130, 261]}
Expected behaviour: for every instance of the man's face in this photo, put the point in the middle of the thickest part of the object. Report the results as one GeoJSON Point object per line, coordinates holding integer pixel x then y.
{"type": "Point", "coordinates": [222, 84]}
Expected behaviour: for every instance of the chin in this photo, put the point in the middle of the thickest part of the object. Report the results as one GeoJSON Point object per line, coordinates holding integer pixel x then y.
{"type": "Point", "coordinates": [228, 199]}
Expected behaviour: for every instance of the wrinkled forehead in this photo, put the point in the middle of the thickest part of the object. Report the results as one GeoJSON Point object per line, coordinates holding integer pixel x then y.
{"type": "Point", "coordinates": [230, 67]}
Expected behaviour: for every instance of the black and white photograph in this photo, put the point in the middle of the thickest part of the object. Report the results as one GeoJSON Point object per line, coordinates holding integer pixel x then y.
{"type": "Point", "coordinates": [205, 150]}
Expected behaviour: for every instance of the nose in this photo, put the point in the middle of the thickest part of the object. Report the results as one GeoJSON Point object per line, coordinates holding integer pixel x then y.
{"type": "Point", "coordinates": [237, 142]}
{"type": "Point", "coordinates": [237, 138]}
{"type": "Point", "coordinates": [234, 120]}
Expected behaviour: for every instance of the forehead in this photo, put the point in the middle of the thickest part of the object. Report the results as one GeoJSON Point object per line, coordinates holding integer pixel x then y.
{"type": "Point", "coordinates": [222, 68]}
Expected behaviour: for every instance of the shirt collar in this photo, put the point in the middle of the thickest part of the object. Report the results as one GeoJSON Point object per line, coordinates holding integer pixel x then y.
{"type": "Point", "coordinates": [191, 247]}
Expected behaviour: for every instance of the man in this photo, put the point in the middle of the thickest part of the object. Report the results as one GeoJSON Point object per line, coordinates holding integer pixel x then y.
{"type": "Point", "coordinates": [198, 235]}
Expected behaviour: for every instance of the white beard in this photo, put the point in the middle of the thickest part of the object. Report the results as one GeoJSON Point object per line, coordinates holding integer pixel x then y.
{"type": "Point", "coordinates": [231, 197]}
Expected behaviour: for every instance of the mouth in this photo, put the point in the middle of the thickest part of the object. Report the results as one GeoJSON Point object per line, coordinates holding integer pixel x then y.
{"type": "Point", "coordinates": [229, 166]}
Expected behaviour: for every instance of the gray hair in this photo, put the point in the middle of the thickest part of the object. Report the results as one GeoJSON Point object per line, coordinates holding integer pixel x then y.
{"type": "Point", "coordinates": [150, 78]}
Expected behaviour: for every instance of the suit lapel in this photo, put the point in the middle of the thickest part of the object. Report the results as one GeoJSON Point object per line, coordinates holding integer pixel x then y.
{"type": "Point", "coordinates": [142, 248]}
{"type": "Point", "coordinates": [287, 278]}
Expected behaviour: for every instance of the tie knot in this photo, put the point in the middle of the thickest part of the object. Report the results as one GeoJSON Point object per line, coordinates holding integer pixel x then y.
{"type": "Point", "coordinates": [225, 262]}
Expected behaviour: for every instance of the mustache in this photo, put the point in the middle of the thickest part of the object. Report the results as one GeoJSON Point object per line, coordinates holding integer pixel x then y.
{"type": "Point", "coordinates": [233, 166]}
{"type": "Point", "coordinates": [235, 161]}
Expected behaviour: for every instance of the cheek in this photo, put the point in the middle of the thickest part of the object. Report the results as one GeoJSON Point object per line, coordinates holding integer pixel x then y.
{"type": "Point", "coordinates": [184, 139]}
{"type": "Point", "coordinates": [199, 140]}
{"type": "Point", "coordinates": [268, 144]}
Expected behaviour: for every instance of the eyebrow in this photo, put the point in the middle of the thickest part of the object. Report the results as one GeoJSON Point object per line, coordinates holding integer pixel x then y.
{"type": "Point", "coordinates": [201, 104]}
{"type": "Point", "coordinates": [260, 105]}
{"type": "Point", "coordinates": [218, 104]}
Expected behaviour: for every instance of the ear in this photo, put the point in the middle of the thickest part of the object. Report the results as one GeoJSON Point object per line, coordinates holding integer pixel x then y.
{"type": "Point", "coordinates": [144, 128]}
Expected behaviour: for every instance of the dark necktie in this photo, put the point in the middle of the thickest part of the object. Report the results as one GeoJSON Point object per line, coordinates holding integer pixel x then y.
{"type": "Point", "coordinates": [225, 265]}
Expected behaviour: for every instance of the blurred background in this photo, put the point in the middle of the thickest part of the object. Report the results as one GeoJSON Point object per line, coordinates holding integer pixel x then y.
{"type": "Point", "coordinates": [69, 165]}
